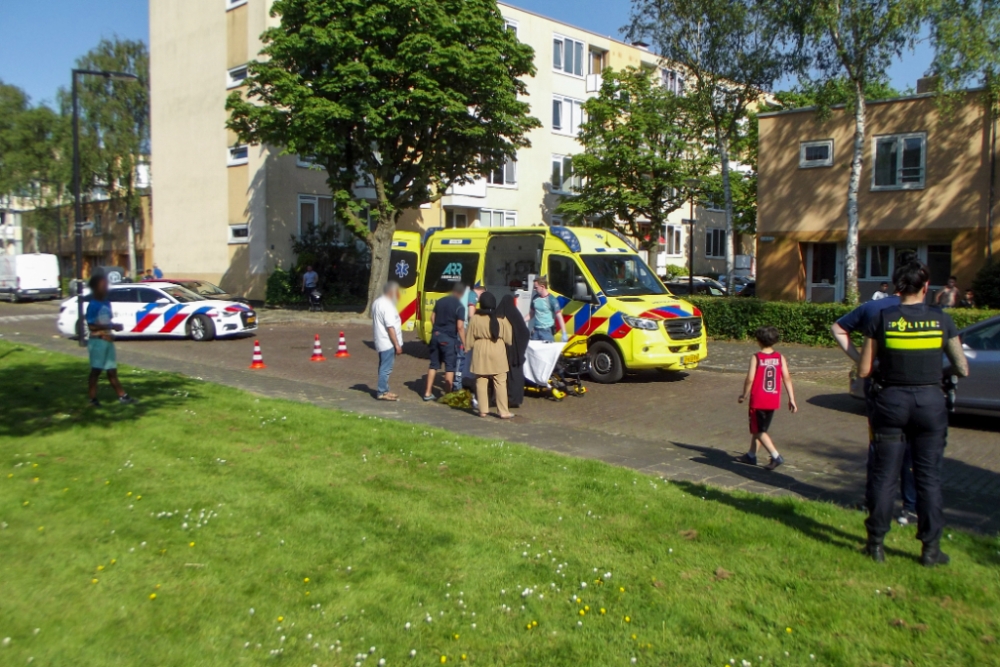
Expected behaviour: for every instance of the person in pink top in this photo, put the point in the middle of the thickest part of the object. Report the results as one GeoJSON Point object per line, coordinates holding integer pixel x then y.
{"type": "Point", "coordinates": [768, 371]}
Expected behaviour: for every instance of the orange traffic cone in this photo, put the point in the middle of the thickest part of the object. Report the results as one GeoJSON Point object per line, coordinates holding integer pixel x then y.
{"type": "Point", "coordinates": [342, 347]}
{"type": "Point", "coordinates": [258, 358]}
{"type": "Point", "coordinates": [317, 351]}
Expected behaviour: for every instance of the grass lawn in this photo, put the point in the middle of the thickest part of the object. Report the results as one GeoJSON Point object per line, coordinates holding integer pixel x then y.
{"type": "Point", "coordinates": [206, 526]}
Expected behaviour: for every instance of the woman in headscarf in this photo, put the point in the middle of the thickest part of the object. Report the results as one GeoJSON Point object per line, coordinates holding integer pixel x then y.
{"type": "Point", "coordinates": [487, 339]}
{"type": "Point", "coordinates": [516, 351]}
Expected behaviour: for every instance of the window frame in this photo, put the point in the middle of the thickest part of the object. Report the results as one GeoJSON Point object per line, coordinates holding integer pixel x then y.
{"type": "Point", "coordinates": [717, 242]}
{"type": "Point", "coordinates": [237, 161]}
{"type": "Point", "coordinates": [562, 128]}
{"type": "Point", "coordinates": [506, 213]}
{"type": "Point", "coordinates": [239, 240]}
{"type": "Point", "coordinates": [233, 4]}
{"type": "Point", "coordinates": [511, 25]}
{"type": "Point", "coordinates": [899, 138]}
{"type": "Point", "coordinates": [672, 234]}
{"type": "Point", "coordinates": [561, 160]}
{"type": "Point", "coordinates": [814, 164]}
{"type": "Point", "coordinates": [232, 82]}
{"type": "Point", "coordinates": [510, 185]}
{"type": "Point", "coordinates": [345, 233]}
{"type": "Point", "coordinates": [577, 64]}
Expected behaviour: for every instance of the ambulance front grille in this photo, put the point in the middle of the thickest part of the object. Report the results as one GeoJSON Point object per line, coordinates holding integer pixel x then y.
{"type": "Point", "coordinates": [683, 328]}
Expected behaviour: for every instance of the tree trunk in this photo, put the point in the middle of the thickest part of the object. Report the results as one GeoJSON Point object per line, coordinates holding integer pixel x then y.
{"type": "Point", "coordinates": [727, 192]}
{"type": "Point", "coordinates": [380, 247]}
{"type": "Point", "coordinates": [857, 162]}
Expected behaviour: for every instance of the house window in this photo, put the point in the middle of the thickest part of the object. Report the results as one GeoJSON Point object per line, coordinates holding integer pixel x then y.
{"type": "Point", "coordinates": [238, 155]}
{"type": "Point", "coordinates": [715, 243]}
{"type": "Point", "coordinates": [672, 241]}
{"type": "Point", "coordinates": [899, 161]}
{"type": "Point", "coordinates": [939, 263]}
{"type": "Point", "coordinates": [878, 262]}
{"type": "Point", "coordinates": [306, 162]}
{"type": "Point", "coordinates": [598, 61]}
{"type": "Point", "coordinates": [489, 217]}
{"type": "Point", "coordinates": [233, 4]}
{"type": "Point", "coordinates": [511, 25]}
{"type": "Point", "coordinates": [236, 76]}
{"type": "Point", "coordinates": [453, 220]}
{"type": "Point", "coordinates": [672, 81]}
{"type": "Point", "coordinates": [505, 176]}
{"type": "Point", "coordinates": [567, 114]}
{"type": "Point", "coordinates": [816, 154]}
{"type": "Point", "coordinates": [563, 178]}
{"type": "Point", "coordinates": [567, 55]}
{"type": "Point", "coordinates": [239, 234]}
{"type": "Point", "coordinates": [316, 212]}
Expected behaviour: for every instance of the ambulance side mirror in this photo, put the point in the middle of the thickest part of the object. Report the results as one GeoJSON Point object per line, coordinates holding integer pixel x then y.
{"type": "Point", "coordinates": [581, 293]}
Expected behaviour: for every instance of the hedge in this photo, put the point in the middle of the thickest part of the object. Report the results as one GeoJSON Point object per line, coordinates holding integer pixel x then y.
{"type": "Point", "coordinates": [737, 318]}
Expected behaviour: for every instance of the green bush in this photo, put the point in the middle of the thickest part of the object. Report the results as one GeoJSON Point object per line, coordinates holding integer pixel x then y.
{"type": "Point", "coordinates": [986, 286]}
{"type": "Point", "coordinates": [675, 270]}
{"type": "Point", "coordinates": [282, 289]}
{"type": "Point", "coordinates": [737, 318]}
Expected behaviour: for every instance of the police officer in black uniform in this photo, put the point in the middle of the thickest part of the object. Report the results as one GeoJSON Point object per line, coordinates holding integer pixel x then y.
{"type": "Point", "coordinates": [909, 407]}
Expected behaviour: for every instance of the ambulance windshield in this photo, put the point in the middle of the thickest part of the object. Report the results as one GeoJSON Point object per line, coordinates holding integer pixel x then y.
{"type": "Point", "coordinates": [623, 275]}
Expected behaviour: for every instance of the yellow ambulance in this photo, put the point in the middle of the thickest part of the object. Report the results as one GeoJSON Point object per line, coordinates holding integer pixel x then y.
{"type": "Point", "coordinates": [608, 295]}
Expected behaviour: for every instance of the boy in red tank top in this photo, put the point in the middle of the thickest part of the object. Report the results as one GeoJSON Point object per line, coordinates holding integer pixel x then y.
{"type": "Point", "coordinates": [768, 371]}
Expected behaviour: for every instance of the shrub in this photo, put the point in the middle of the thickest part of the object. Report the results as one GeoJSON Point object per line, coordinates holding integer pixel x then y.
{"type": "Point", "coordinates": [675, 270]}
{"type": "Point", "coordinates": [737, 318]}
{"type": "Point", "coordinates": [986, 286]}
{"type": "Point", "coordinates": [281, 288]}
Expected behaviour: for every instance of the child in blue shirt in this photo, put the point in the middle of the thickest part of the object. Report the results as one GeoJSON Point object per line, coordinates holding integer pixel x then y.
{"type": "Point", "coordinates": [101, 344]}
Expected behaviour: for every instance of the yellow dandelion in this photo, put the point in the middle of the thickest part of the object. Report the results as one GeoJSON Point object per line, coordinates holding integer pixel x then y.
{"type": "Point", "coordinates": [190, 544]}
{"type": "Point", "coordinates": [628, 619]}
{"type": "Point", "coordinates": [25, 503]}
{"type": "Point", "coordinates": [603, 610]}
{"type": "Point", "coordinates": [280, 619]}
{"type": "Point", "coordinates": [113, 561]}
{"type": "Point", "coordinates": [444, 659]}
{"type": "Point", "coordinates": [307, 592]}
{"type": "Point", "coordinates": [534, 624]}
{"type": "Point", "coordinates": [41, 528]}
{"type": "Point", "coordinates": [464, 656]}
{"type": "Point", "coordinates": [100, 568]}
{"type": "Point", "coordinates": [306, 580]}
{"type": "Point", "coordinates": [128, 494]}
{"type": "Point", "coordinates": [34, 465]}
{"type": "Point", "coordinates": [138, 497]}
{"type": "Point", "coordinates": [621, 589]}
{"type": "Point", "coordinates": [583, 613]}
{"type": "Point", "coordinates": [157, 587]}
{"type": "Point", "coordinates": [10, 475]}
{"type": "Point", "coordinates": [152, 596]}
{"type": "Point", "coordinates": [788, 630]}
{"type": "Point", "coordinates": [587, 608]}
{"type": "Point", "coordinates": [634, 637]}
{"type": "Point", "coordinates": [93, 581]}
{"type": "Point", "coordinates": [106, 482]}
{"type": "Point", "coordinates": [528, 626]}
{"type": "Point", "coordinates": [35, 480]}
{"type": "Point", "coordinates": [455, 637]}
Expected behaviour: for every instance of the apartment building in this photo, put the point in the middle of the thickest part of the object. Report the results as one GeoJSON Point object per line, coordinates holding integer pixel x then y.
{"type": "Point", "coordinates": [227, 212]}
{"type": "Point", "coordinates": [926, 187]}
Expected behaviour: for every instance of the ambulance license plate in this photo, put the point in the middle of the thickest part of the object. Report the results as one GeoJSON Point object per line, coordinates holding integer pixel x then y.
{"type": "Point", "coordinates": [689, 359]}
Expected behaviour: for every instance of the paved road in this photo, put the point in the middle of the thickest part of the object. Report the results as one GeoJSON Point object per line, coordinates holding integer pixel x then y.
{"type": "Point", "coordinates": [684, 426]}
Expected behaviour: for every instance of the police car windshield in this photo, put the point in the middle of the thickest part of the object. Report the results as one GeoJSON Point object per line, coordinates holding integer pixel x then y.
{"type": "Point", "coordinates": [182, 295]}
{"type": "Point", "coordinates": [623, 275]}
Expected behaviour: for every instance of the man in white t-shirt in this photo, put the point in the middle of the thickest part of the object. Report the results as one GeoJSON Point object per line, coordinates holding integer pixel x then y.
{"type": "Point", "coordinates": [881, 293]}
{"type": "Point", "coordinates": [388, 332]}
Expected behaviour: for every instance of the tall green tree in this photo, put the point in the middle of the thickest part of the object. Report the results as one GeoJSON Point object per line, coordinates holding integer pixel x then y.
{"type": "Point", "coordinates": [13, 104]}
{"type": "Point", "coordinates": [731, 52]}
{"type": "Point", "coordinates": [408, 97]}
{"type": "Point", "coordinates": [40, 157]}
{"type": "Point", "coordinates": [114, 120]}
{"type": "Point", "coordinates": [855, 41]}
{"type": "Point", "coordinates": [640, 148]}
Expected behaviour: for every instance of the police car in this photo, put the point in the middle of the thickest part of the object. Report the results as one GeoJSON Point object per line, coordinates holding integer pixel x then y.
{"type": "Point", "coordinates": [164, 309]}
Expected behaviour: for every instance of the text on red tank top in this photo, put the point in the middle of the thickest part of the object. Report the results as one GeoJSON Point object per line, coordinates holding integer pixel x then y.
{"type": "Point", "coordinates": [765, 393]}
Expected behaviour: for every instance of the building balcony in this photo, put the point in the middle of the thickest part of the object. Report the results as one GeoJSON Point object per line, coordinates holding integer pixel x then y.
{"type": "Point", "coordinates": [469, 195]}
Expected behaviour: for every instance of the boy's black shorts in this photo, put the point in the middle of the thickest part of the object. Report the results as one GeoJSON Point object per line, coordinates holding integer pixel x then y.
{"type": "Point", "coordinates": [760, 420]}
{"type": "Point", "coordinates": [443, 349]}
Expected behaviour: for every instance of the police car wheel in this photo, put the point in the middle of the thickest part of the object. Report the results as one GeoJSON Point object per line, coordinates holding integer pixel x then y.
{"type": "Point", "coordinates": [200, 328]}
{"type": "Point", "coordinates": [606, 365]}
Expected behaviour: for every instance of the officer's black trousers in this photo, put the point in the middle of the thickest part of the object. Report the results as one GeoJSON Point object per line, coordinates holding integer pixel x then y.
{"type": "Point", "coordinates": [918, 416]}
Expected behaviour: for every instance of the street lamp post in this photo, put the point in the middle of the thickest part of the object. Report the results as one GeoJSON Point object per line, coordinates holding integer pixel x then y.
{"type": "Point", "coordinates": [692, 183]}
{"type": "Point", "coordinates": [77, 204]}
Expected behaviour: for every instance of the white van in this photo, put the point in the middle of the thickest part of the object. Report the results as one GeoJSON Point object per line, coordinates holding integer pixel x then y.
{"type": "Point", "coordinates": [29, 277]}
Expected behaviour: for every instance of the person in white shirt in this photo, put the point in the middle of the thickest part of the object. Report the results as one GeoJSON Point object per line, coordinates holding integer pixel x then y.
{"type": "Point", "coordinates": [883, 292]}
{"type": "Point", "coordinates": [388, 332]}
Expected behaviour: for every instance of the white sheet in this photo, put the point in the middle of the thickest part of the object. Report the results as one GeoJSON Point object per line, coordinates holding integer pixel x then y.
{"type": "Point", "coordinates": [541, 360]}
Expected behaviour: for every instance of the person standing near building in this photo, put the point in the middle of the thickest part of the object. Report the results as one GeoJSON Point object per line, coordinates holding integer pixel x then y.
{"type": "Point", "coordinates": [882, 292]}
{"type": "Point", "coordinates": [157, 273]}
{"type": "Point", "coordinates": [101, 344]}
{"type": "Point", "coordinates": [909, 408]}
{"type": "Point", "coordinates": [447, 333]}
{"type": "Point", "coordinates": [545, 313]}
{"type": "Point", "coordinates": [489, 337]}
{"type": "Point", "coordinates": [387, 329]}
{"type": "Point", "coordinates": [947, 296]}
{"type": "Point", "coordinates": [310, 280]}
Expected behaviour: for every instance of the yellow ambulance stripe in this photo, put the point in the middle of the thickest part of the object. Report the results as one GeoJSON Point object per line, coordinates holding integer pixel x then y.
{"type": "Point", "coordinates": [913, 343]}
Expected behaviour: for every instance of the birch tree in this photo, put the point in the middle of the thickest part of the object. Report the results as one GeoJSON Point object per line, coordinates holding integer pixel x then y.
{"type": "Point", "coordinates": [730, 52]}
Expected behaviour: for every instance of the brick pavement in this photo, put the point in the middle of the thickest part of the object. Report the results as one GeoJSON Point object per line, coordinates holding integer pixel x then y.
{"type": "Point", "coordinates": [684, 427]}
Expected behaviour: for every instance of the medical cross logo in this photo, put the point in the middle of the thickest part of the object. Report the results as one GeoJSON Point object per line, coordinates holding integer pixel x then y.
{"type": "Point", "coordinates": [402, 269]}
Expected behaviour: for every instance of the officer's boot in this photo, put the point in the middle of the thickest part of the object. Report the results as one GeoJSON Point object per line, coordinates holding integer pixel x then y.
{"type": "Point", "coordinates": [875, 550]}
{"type": "Point", "coordinates": [932, 555]}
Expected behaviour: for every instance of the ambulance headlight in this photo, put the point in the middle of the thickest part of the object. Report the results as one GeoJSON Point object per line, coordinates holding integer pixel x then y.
{"type": "Point", "coordinates": [641, 323]}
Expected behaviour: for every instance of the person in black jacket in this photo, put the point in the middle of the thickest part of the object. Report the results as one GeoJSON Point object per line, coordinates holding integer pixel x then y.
{"type": "Point", "coordinates": [515, 352]}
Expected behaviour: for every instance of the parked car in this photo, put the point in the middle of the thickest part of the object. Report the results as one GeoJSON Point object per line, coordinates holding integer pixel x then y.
{"type": "Point", "coordinates": [206, 289]}
{"type": "Point", "coordinates": [980, 392]}
{"type": "Point", "coordinates": [164, 309]}
{"type": "Point", "coordinates": [750, 289]}
{"type": "Point", "coordinates": [29, 277]}
{"type": "Point", "coordinates": [702, 287]}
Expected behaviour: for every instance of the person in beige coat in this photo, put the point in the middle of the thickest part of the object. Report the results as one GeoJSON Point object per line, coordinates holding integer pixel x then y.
{"type": "Point", "coordinates": [488, 338]}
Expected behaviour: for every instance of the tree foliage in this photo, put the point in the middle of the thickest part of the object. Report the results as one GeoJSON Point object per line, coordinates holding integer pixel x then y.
{"type": "Point", "coordinates": [640, 149]}
{"type": "Point", "coordinates": [731, 52]}
{"type": "Point", "coordinates": [850, 45]}
{"type": "Point", "coordinates": [407, 97]}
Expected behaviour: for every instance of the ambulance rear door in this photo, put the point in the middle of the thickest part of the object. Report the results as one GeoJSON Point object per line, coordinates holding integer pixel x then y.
{"type": "Point", "coordinates": [404, 265]}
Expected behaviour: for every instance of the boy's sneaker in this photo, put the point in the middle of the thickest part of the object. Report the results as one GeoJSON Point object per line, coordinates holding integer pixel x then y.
{"type": "Point", "coordinates": [907, 517]}
{"type": "Point", "coordinates": [94, 403]}
{"type": "Point", "coordinates": [127, 400]}
{"type": "Point", "coordinates": [748, 459]}
{"type": "Point", "coordinates": [775, 462]}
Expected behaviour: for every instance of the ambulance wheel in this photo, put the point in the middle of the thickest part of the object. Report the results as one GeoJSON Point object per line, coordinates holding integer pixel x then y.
{"type": "Point", "coordinates": [606, 365]}
{"type": "Point", "coordinates": [201, 329]}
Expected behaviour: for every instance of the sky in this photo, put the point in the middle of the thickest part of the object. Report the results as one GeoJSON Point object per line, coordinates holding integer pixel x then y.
{"type": "Point", "coordinates": [42, 39]}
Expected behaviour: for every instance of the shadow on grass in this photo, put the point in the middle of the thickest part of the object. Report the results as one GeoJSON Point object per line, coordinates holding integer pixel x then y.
{"type": "Point", "coordinates": [52, 397]}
